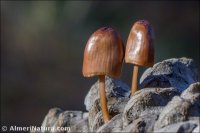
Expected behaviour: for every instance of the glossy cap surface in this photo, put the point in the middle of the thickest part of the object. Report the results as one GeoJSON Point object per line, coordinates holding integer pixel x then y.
{"type": "Point", "coordinates": [104, 54]}
{"type": "Point", "coordinates": [140, 44]}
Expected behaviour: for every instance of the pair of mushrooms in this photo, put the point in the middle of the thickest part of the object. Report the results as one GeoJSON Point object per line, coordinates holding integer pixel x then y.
{"type": "Point", "coordinates": [104, 55]}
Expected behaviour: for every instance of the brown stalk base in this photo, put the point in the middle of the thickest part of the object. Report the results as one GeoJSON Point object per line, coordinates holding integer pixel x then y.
{"type": "Point", "coordinates": [134, 80]}
{"type": "Point", "coordinates": [103, 100]}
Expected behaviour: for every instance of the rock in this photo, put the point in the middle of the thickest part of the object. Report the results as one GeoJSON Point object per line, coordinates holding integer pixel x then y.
{"type": "Point", "coordinates": [181, 108]}
{"type": "Point", "coordinates": [85, 115]}
{"type": "Point", "coordinates": [114, 125]}
{"type": "Point", "coordinates": [114, 89]}
{"type": "Point", "coordinates": [192, 93]}
{"type": "Point", "coordinates": [177, 110]}
{"type": "Point", "coordinates": [116, 108]}
{"type": "Point", "coordinates": [143, 124]}
{"type": "Point", "coordinates": [51, 118]}
{"type": "Point", "coordinates": [181, 127]}
{"type": "Point", "coordinates": [158, 106]}
{"type": "Point", "coordinates": [117, 96]}
{"type": "Point", "coordinates": [58, 118]}
{"type": "Point", "coordinates": [147, 101]}
{"type": "Point", "coordinates": [68, 118]}
{"type": "Point", "coordinates": [136, 126]}
{"type": "Point", "coordinates": [178, 73]}
{"type": "Point", "coordinates": [81, 126]}
{"type": "Point", "coordinates": [92, 115]}
{"type": "Point", "coordinates": [197, 129]}
{"type": "Point", "coordinates": [98, 122]}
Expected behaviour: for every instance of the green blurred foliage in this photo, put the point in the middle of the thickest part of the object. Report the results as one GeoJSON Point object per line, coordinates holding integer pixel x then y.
{"type": "Point", "coordinates": [42, 44]}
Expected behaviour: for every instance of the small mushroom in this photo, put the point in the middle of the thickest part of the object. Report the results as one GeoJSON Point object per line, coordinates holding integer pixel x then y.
{"type": "Point", "coordinates": [103, 55]}
{"type": "Point", "coordinates": [140, 49]}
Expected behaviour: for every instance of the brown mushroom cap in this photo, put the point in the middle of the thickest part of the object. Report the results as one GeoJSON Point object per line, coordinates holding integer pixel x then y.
{"type": "Point", "coordinates": [140, 47]}
{"type": "Point", "coordinates": [104, 54]}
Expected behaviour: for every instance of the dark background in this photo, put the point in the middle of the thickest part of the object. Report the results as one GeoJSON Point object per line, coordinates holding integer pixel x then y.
{"type": "Point", "coordinates": [42, 45]}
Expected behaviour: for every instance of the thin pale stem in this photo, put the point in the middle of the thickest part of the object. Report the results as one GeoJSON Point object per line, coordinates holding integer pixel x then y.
{"type": "Point", "coordinates": [103, 100]}
{"type": "Point", "coordinates": [134, 80]}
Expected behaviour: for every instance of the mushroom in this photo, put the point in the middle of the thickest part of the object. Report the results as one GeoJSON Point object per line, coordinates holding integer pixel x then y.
{"type": "Point", "coordinates": [103, 55]}
{"type": "Point", "coordinates": [140, 49]}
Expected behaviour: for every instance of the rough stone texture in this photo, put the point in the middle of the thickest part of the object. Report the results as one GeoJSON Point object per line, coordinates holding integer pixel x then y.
{"type": "Point", "coordinates": [143, 124]}
{"type": "Point", "coordinates": [180, 109]}
{"type": "Point", "coordinates": [158, 107]}
{"type": "Point", "coordinates": [114, 125]}
{"type": "Point", "coordinates": [192, 93]}
{"type": "Point", "coordinates": [114, 89]}
{"type": "Point", "coordinates": [181, 127]}
{"type": "Point", "coordinates": [197, 129]}
{"type": "Point", "coordinates": [58, 118]}
{"type": "Point", "coordinates": [51, 118]}
{"type": "Point", "coordinates": [178, 73]}
{"type": "Point", "coordinates": [116, 108]}
{"type": "Point", "coordinates": [97, 123]}
{"type": "Point", "coordinates": [177, 110]}
{"type": "Point", "coordinates": [85, 115]}
{"type": "Point", "coordinates": [81, 126]}
{"type": "Point", "coordinates": [68, 118]}
{"type": "Point", "coordinates": [147, 101]}
{"type": "Point", "coordinates": [117, 94]}
{"type": "Point", "coordinates": [93, 114]}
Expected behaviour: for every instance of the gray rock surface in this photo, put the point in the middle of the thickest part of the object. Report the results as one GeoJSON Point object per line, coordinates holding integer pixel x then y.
{"type": "Point", "coordinates": [114, 125]}
{"type": "Point", "coordinates": [178, 73]}
{"type": "Point", "coordinates": [80, 126]}
{"type": "Point", "coordinates": [192, 93]}
{"type": "Point", "coordinates": [181, 108]}
{"type": "Point", "coordinates": [143, 124]}
{"type": "Point", "coordinates": [93, 114]}
{"type": "Point", "coordinates": [197, 129]}
{"type": "Point", "coordinates": [168, 101]}
{"type": "Point", "coordinates": [115, 108]}
{"type": "Point", "coordinates": [58, 118]}
{"type": "Point", "coordinates": [51, 118]}
{"type": "Point", "coordinates": [117, 95]}
{"type": "Point", "coordinates": [68, 118]}
{"type": "Point", "coordinates": [114, 89]}
{"type": "Point", "coordinates": [181, 127]}
{"type": "Point", "coordinates": [97, 122]}
{"type": "Point", "coordinates": [147, 101]}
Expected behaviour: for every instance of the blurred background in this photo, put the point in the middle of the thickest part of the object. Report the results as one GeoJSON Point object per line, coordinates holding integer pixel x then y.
{"type": "Point", "coordinates": [42, 45]}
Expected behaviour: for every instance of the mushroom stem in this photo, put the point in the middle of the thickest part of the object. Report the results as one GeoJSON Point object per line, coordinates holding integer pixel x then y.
{"type": "Point", "coordinates": [134, 80]}
{"type": "Point", "coordinates": [103, 100]}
